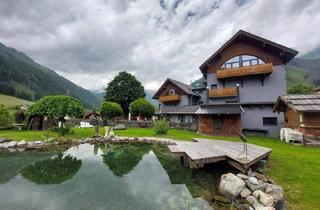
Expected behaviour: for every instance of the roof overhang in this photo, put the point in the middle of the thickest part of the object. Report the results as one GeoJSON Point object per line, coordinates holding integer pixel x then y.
{"type": "Point", "coordinates": [284, 52]}
{"type": "Point", "coordinates": [220, 109]}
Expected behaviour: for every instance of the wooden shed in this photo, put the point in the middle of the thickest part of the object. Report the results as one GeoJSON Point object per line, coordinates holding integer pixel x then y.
{"type": "Point", "coordinates": [301, 112]}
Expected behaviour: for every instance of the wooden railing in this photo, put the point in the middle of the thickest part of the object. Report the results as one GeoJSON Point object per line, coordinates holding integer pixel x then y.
{"type": "Point", "coordinates": [170, 98]}
{"type": "Point", "coordinates": [223, 92]}
{"type": "Point", "coordinates": [245, 71]}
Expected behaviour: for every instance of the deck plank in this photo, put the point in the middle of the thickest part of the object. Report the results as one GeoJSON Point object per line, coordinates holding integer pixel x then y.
{"type": "Point", "coordinates": [204, 151]}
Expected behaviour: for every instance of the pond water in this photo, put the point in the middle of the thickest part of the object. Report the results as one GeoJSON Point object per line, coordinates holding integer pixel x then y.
{"type": "Point", "coordinates": [118, 176]}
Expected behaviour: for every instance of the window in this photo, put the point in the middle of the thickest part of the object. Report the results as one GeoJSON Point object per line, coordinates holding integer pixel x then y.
{"type": "Point", "coordinates": [242, 60]}
{"type": "Point", "coordinates": [214, 86]}
{"type": "Point", "coordinates": [171, 91]}
{"type": "Point", "coordinates": [270, 121]}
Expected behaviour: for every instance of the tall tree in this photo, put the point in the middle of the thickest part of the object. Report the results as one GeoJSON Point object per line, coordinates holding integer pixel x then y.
{"type": "Point", "coordinates": [124, 89]}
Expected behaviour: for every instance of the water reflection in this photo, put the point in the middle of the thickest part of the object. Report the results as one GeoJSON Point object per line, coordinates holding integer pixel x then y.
{"type": "Point", "coordinates": [12, 163]}
{"type": "Point", "coordinates": [119, 176]}
{"type": "Point", "coordinates": [53, 170]}
{"type": "Point", "coordinates": [122, 158]}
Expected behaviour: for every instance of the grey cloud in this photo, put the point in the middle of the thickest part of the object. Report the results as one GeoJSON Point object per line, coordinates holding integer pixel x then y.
{"type": "Point", "coordinates": [152, 39]}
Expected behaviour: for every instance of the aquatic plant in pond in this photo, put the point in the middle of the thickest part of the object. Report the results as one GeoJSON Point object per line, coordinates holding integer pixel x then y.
{"type": "Point", "coordinates": [53, 170]}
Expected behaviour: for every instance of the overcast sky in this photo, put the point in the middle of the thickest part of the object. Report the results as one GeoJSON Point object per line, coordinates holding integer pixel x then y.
{"type": "Point", "coordinates": [90, 41]}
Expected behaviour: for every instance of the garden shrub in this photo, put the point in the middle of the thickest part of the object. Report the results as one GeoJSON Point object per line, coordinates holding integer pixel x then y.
{"type": "Point", "coordinates": [5, 120]}
{"type": "Point", "coordinates": [63, 131]}
{"type": "Point", "coordinates": [110, 110]}
{"type": "Point", "coordinates": [161, 127]}
{"type": "Point", "coordinates": [142, 107]}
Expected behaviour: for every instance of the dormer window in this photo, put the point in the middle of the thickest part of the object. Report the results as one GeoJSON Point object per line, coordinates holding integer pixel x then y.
{"type": "Point", "coordinates": [172, 92]}
{"type": "Point", "coordinates": [242, 60]}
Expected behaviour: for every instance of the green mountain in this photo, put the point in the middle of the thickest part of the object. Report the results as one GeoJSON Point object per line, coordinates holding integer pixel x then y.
{"type": "Point", "coordinates": [20, 76]}
{"type": "Point", "coordinates": [305, 69]}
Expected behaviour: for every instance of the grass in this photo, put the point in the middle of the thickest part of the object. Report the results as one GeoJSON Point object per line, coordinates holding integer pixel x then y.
{"type": "Point", "coordinates": [295, 168]}
{"type": "Point", "coordinates": [10, 102]}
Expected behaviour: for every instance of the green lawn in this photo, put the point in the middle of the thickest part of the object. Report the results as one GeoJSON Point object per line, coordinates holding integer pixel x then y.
{"type": "Point", "coordinates": [295, 168]}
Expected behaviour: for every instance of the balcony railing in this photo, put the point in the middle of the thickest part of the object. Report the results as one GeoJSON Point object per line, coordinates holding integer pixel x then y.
{"type": "Point", "coordinates": [168, 98]}
{"type": "Point", "coordinates": [245, 71]}
{"type": "Point", "coordinates": [223, 92]}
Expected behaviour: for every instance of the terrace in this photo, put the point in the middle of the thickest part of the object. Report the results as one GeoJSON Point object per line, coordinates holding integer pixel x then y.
{"type": "Point", "coordinates": [260, 69]}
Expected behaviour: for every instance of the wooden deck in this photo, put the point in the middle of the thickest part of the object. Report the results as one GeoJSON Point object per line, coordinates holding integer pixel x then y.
{"type": "Point", "coordinates": [203, 151]}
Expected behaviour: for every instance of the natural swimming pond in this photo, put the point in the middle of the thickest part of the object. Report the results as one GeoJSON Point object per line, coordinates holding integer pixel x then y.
{"type": "Point", "coordinates": [118, 176]}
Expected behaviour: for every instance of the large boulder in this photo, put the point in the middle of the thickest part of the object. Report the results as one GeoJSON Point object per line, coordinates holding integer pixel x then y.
{"type": "Point", "coordinates": [277, 193]}
{"type": "Point", "coordinates": [260, 186]}
{"type": "Point", "coordinates": [265, 199]}
{"type": "Point", "coordinates": [245, 193]}
{"type": "Point", "coordinates": [120, 127]}
{"type": "Point", "coordinates": [254, 202]}
{"type": "Point", "coordinates": [231, 185]}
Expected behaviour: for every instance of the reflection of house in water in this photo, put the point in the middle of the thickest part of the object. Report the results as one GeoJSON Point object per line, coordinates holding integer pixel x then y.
{"type": "Point", "coordinates": [10, 166]}
{"type": "Point", "coordinates": [123, 158]}
{"type": "Point", "coordinates": [52, 170]}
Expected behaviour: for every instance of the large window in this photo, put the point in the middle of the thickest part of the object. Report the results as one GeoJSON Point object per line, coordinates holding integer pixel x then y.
{"type": "Point", "coordinates": [241, 60]}
{"type": "Point", "coordinates": [270, 121]}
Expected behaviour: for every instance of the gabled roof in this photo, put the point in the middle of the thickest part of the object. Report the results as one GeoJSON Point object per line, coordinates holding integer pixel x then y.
{"type": "Point", "coordinates": [286, 53]}
{"type": "Point", "coordinates": [187, 89]}
{"type": "Point", "coordinates": [229, 108]}
{"type": "Point", "coordinates": [299, 103]}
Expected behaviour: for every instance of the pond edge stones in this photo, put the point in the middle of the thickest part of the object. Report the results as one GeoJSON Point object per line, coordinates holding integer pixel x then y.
{"type": "Point", "coordinates": [13, 146]}
{"type": "Point", "coordinates": [254, 189]}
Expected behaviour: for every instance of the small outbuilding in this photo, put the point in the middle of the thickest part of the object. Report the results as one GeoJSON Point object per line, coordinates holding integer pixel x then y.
{"type": "Point", "coordinates": [301, 112]}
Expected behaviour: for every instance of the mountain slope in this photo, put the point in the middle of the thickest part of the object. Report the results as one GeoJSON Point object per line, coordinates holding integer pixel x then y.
{"type": "Point", "coordinates": [305, 69]}
{"type": "Point", "coordinates": [20, 76]}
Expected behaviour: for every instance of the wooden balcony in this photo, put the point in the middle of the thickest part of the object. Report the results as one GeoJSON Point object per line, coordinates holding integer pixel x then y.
{"type": "Point", "coordinates": [223, 92]}
{"type": "Point", "coordinates": [245, 71]}
{"type": "Point", "coordinates": [169, 98]}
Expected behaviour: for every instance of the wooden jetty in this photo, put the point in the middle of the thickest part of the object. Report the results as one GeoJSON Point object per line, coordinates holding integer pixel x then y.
{"type": "Point", "coordinates": [204, 151]}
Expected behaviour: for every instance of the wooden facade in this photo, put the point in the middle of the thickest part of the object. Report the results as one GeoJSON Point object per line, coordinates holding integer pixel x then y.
{"type": "Point", "coordinates": [305, 122]}
{"type": "Point", "coordinates": [245, 71]}
{"type": "Point", "coordinates": [223, 92]}
{"type": "Point", "coordinates": [221, 125]}
{"type": "Point", "coordinates": [168, 98]}
{"type": "Point", "coordinates": [301, 112]}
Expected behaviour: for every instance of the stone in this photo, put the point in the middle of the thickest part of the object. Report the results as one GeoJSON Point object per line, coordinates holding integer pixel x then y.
{"type": "Point", "coordinates": [265, 199]}
{"type": "Point", "coordinates": [21, 143]}
{"type": "Point", "coordinates": [242, 176]}
{"type": "Point", "coordinates": [231, 185]}
{"type": "Point", "coordinates": [276, 192]}
{"type": "Point", "coordinates": [245, 193]}
{"type": "Point", "coordinates": [262, 177]}
{"type": "Point", "coordinates": [253, 180]}
{"type": "Point", "coordinates": [265, 208]}
{"type": "Point", "coordinates": [260, 186]}
{"type": "Point", "coordinates": [8, 144]}
{"type": "Point", "coordinates": [12, 149]}
{"type": "Point", "coordinates": [254, 201]}
{"type": "Point", "coordinates": [2, 140]}
{"type": "Point", "coordinates": [120, 127]}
